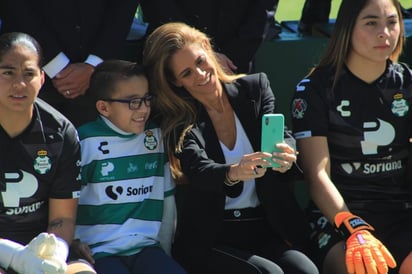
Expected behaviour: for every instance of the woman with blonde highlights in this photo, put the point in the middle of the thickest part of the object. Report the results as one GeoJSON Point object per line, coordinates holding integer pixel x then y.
{"type": "Point", "coordinates": [234, 215]}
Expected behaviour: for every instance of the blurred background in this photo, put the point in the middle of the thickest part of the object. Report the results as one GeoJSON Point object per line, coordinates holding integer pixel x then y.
{"type": "Point", "coordinates": [291, 9]}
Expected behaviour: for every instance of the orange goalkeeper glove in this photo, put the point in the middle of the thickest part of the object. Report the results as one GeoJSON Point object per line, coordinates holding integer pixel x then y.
{"type": "Point", "coordinates": [364, 253]}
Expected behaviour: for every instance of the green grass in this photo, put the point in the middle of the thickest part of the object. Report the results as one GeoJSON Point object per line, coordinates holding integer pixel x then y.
{"type": "Point", "coordinates": [291, 9]}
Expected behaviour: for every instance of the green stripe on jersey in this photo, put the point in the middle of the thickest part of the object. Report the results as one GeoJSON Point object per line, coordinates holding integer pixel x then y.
{"type": "Point", "coordinates": [149, 210]}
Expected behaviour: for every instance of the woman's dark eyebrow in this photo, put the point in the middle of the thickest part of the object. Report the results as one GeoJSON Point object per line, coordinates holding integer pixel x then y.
{"type": "Point", "coordinates": [370, 16]}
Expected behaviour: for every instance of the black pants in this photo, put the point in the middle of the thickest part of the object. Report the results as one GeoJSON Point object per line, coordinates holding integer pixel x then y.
{"type": "Point", "coordinates": [250, 247]}
{"type": "Point", "coordinates": [229, 260]}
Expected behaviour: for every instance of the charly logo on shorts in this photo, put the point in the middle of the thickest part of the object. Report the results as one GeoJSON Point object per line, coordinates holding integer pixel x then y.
{"type": "Point", "coordinates": [150, 141]}
{"type": "Point", "coordinates": [42, 163]}
{"type": "Point", "coordinates": [323, 239]}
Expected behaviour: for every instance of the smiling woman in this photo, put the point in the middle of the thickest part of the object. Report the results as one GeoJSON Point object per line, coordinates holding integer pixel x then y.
{"type": "Point", "coordinates": [212, 125]}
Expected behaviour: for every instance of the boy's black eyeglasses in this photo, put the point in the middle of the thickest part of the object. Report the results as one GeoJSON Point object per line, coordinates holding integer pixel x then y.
{"type": "Point", "coordinates": [135, 103]}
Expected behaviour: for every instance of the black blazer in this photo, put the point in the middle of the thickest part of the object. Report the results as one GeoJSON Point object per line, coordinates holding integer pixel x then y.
{"type": "Point", "coordinates": [76, 27]}
{"type": "Point", "coordinates": [201, 202]}
{"type": "Point", "coordinates": [235, 26]}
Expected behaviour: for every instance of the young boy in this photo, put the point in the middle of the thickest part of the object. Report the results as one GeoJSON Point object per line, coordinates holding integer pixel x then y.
{"type": "Point", "coordinates": [127, 191]}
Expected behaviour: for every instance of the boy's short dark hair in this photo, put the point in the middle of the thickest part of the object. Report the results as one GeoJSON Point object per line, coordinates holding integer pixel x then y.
{"type": "Point", "coordinates": [108, 73]}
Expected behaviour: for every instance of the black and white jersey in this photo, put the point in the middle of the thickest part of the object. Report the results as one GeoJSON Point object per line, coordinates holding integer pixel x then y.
{"type": "Point", "coordinates": [367, 125]}
{"type": "Point", "coordinates": [41, 163]}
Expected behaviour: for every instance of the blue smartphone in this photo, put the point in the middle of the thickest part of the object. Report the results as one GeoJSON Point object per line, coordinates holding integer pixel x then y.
{"type": "Point", "coordinates": [273, 126]}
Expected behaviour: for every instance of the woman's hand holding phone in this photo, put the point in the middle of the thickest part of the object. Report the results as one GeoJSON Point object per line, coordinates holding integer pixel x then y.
{"type": "Point", "coordinates": [272, 141]}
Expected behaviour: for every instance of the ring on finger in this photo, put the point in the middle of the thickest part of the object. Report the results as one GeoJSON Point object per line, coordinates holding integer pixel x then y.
{"type": "Point", "coordinates": [255, 171]}
{"type": "Point", "coordinates": [67, 92]}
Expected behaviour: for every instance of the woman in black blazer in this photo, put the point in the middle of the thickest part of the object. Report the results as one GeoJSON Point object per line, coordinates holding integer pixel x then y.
{"type": "Point", "coordinates": [234, 215]}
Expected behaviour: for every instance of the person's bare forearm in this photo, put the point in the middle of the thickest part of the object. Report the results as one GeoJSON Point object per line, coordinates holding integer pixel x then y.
{"type": "Point", "coordinates": [63, 228]}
